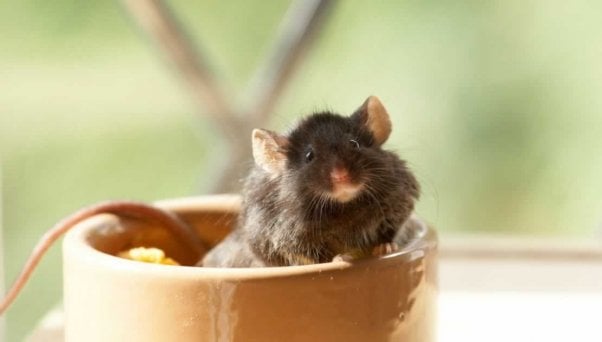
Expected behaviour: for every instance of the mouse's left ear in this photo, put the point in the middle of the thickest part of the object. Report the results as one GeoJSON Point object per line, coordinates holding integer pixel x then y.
{"type": "Point", "coordinates": [269, 150]}
{"type": "Point", "coordinates": [374, 117]}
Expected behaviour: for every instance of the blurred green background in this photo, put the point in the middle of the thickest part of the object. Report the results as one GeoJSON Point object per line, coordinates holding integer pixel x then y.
{"type": "Point", "coordinates": [496, 106]}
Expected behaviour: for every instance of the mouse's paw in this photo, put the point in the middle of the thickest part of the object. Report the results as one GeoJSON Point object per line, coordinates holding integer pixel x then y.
{"type": "Point", "coordinates": [385, 248]}
{"type": "Point", "coordinates": [345, 257]}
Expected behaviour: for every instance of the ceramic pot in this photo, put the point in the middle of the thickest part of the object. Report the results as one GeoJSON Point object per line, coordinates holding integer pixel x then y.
{"type": "Point", "coordinates": [391, 298]}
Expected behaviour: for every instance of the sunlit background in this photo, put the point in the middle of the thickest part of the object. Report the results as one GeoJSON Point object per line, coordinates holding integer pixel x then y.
{"type": "Point", "coordinates": [496, 106]}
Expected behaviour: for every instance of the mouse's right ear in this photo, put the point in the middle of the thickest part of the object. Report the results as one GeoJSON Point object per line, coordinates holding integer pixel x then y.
{"type": "Point", "coordinates": [269, 150]}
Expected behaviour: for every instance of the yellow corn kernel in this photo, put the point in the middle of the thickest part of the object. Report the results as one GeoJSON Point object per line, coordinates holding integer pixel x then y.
{"type": "Point", "coordinates": [151, 255]}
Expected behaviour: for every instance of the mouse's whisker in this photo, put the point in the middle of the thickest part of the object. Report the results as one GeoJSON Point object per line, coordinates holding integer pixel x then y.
{"type": "Point", "coordinates": [371, 192]}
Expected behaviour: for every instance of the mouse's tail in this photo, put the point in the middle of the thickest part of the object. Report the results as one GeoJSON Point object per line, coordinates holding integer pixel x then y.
{"type": "Point", "coordinates": [130, 208]}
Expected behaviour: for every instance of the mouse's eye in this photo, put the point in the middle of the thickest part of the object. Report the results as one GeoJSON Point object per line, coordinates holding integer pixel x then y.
{"type": "Point", "coordinates": [354, 143]}
{"type": "Point", "coordinates": [309, 155]}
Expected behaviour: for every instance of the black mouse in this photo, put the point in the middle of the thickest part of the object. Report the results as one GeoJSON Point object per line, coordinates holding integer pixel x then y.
{"type": "Point", "coordinates": [327, 188]}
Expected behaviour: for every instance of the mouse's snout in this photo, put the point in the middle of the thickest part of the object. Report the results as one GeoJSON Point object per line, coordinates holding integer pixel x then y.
{"type": "Point", "coordinates": [339, 175]}
{"type": "Point", "coordinates": [343, 187]}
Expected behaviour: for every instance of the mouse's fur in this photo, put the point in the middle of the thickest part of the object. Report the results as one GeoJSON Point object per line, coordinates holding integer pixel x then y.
{"type": "Point", "coordinates": [291, 215]}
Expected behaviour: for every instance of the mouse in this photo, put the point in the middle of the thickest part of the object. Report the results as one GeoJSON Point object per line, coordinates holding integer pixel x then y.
{"type": "Point", "coordinates": [168, 220]}
{"type": "Point", "coordinates": [325, 191]}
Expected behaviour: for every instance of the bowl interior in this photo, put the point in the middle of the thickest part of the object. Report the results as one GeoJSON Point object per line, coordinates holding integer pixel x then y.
{"type": "Point", "coordinates": [211, 217]}
{"type": "Point", "coordinates": [211, 220]}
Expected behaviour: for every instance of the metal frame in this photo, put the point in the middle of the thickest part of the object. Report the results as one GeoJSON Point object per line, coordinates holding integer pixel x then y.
{"type": "Point", "coordinates": [297, 31]}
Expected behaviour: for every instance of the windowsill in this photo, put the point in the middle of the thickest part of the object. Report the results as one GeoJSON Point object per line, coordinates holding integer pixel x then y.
{"type": "Point", "coordinates": [519, 316]}
{"type": "Point", "coordinates": [492, 263]}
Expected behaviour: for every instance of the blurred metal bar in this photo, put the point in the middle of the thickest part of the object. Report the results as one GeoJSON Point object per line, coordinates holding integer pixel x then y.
{"type": "Point", "coordinates": [158, 22]}
{"type": "Point", "coordinates": [486, 247]}
{"type": "Point", "coordinates": [296, 32]}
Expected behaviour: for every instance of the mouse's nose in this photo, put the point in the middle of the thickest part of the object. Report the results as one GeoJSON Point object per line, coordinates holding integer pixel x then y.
{"type": "Point", "coordinates": [339, 175]}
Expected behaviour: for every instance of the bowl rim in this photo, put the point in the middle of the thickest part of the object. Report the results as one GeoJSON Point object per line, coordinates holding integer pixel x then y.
{"type": "Point", "coordinates": [76, 243]}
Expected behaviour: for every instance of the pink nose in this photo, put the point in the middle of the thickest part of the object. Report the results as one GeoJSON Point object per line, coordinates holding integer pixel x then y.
{"type": "Point", "coordinates": [339, 175]}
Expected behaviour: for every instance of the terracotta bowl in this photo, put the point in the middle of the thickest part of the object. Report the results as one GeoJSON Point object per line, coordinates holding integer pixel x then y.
{"type": "Point", "coordinates": [391, 298]}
